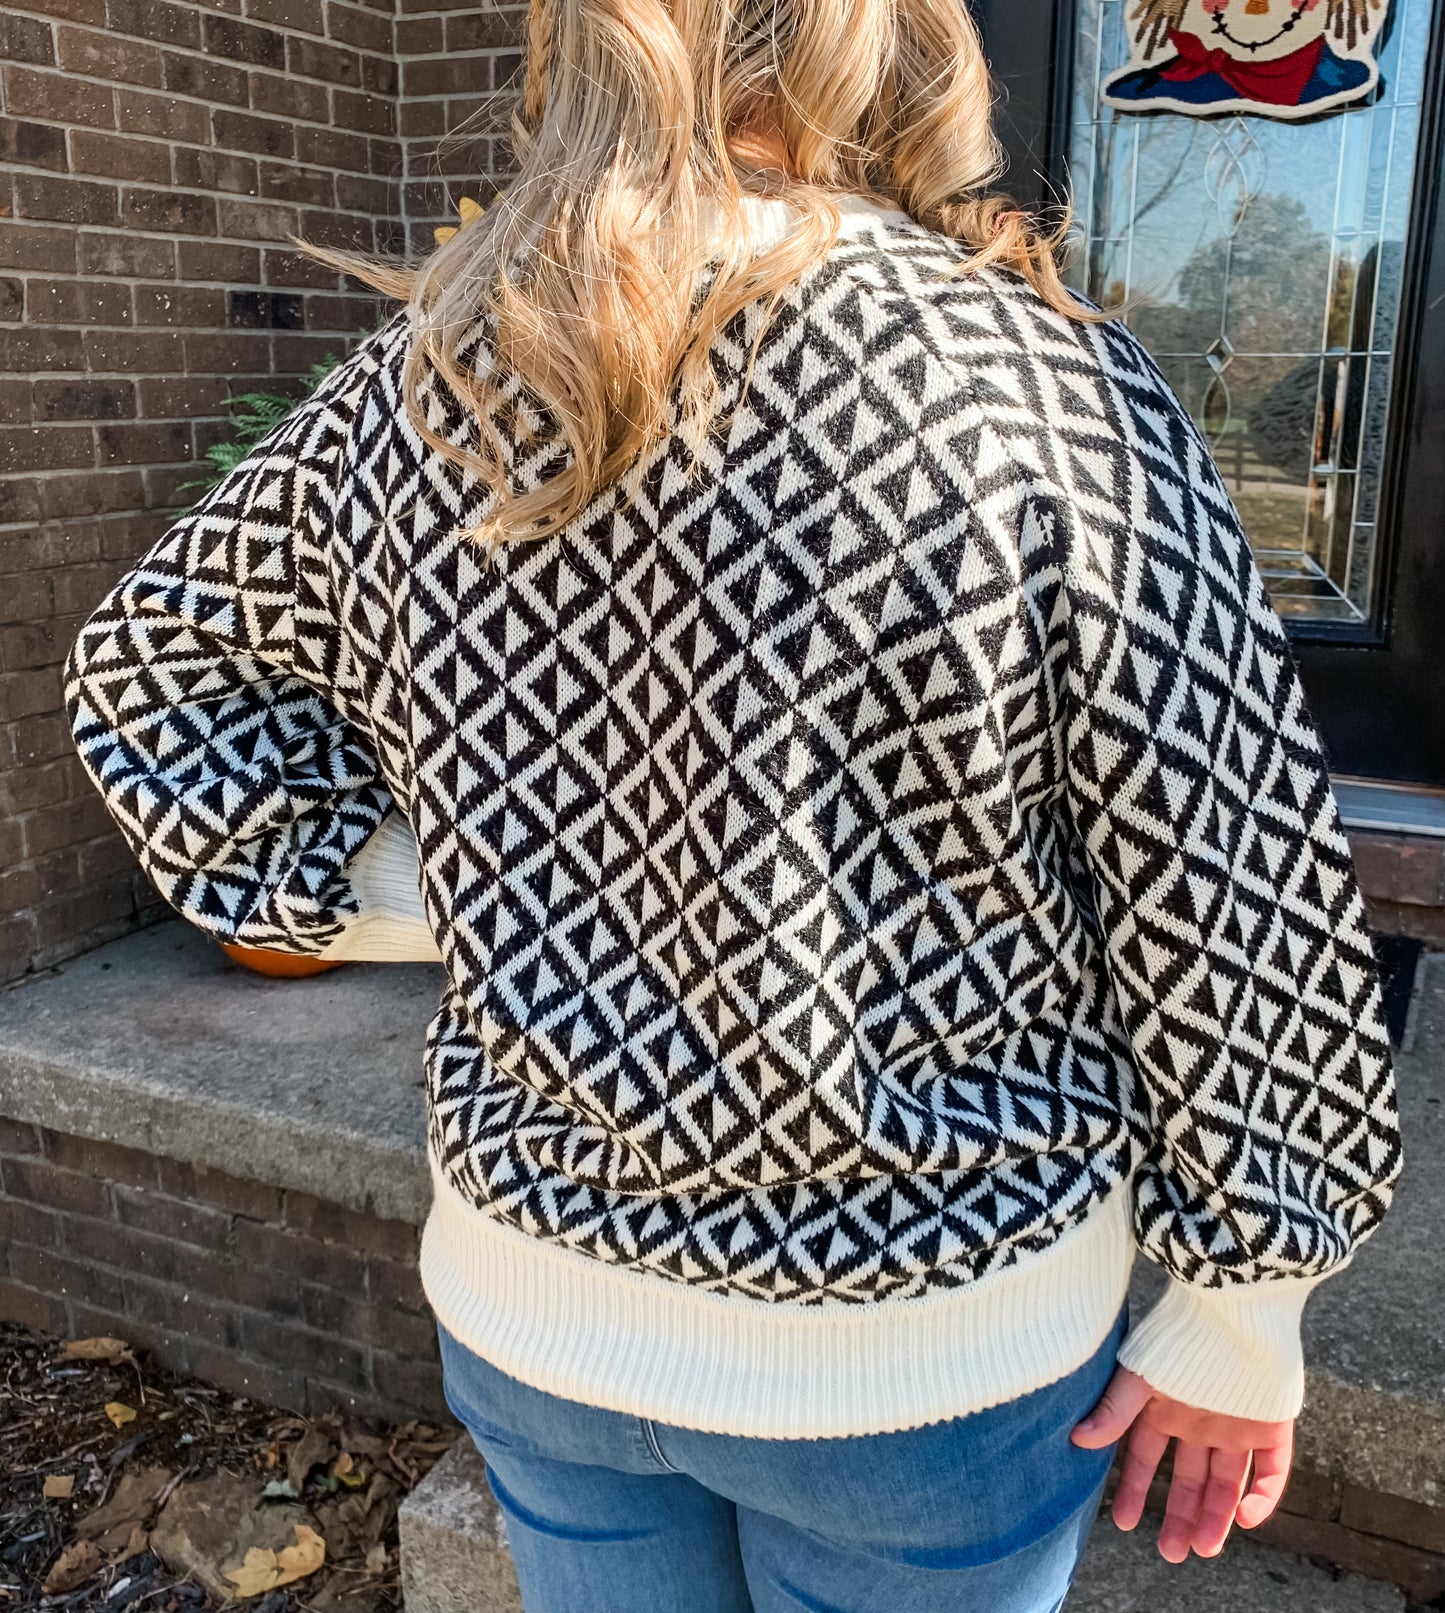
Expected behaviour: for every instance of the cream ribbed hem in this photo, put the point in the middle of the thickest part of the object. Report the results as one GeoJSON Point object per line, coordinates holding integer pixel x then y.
{"type": "Point", "coordinates": [618, 1338]}
{"type": "Point", "coordinates": [391, 926]}
{"type": "Point", "coordinates": [1234, 1350]}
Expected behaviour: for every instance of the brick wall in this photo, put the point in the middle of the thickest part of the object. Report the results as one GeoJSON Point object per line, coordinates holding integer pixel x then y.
{"type": "Point", "coordinates": [1360, 1531]}
{"type": "Point", "coordinates": [300, 1302]}
{"type": "Point", "coordinates": [1403, 878]}
{"type": "Point", "coordinates": [154, 157]}
{"type": "Point", "coordinates": [458, 65]}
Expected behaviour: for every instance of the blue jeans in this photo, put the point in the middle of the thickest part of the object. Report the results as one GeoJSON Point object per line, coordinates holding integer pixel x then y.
{"type": "Point", "coordinates": [608, 1513]}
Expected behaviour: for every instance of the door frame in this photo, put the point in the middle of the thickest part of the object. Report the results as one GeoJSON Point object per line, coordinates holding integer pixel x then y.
{"type": "Point", "coordinates": [1377, 689]}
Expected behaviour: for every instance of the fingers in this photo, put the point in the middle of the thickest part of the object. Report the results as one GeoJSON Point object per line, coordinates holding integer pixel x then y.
{"type": "Point", "coordinates": [1271, 1474]}
{"type": "Point", "coordinates": [1228, 1477]}
{"type": "Point", "coordinates": [1123, 1400]}
{"type": "Point", "coordinates": [1142, 1456]}
{"type": "Point", "coordinates": [1186, 1495]}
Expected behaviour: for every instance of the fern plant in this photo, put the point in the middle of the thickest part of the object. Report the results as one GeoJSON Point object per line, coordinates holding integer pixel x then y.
{"type": "Point", "coordinates": [254, 416]}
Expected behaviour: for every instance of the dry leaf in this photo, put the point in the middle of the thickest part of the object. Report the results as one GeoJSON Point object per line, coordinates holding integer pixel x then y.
{"type": "Point", "coordinates": [264, 1570]}
{"type": "Point", "coordinates": [342, 1465]}
{"type": "Point", "coordinates": [58, 1486]}
{"type": "Point", "coordinates": [110, 1350]}
{"type": "Point", "coordinates": [111, 1526]}
{"type": "Point", "coordinates": [376, 1559]}
{"type": "Point", "coordinates": [119, 1413]}
{"type": "Point", "coordinates": [72, 1567]}
{"type": "Point", "coordinates": [314, 1448]}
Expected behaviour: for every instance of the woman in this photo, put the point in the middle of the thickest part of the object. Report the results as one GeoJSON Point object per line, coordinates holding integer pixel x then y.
{"type": "Point", "coordinates": [799, 669]}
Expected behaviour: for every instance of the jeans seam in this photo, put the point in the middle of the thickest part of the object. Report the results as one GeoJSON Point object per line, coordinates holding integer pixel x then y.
{"type": "Point", "coordinates": [649, 1434]}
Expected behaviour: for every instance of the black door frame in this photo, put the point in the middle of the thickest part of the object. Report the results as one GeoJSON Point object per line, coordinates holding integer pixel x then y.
{"type": "Point", "coordinates": [1377, 690]}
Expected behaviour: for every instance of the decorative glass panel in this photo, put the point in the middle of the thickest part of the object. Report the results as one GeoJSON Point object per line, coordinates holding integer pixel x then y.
{"type": "Point", "coordinates": [1265, 258]}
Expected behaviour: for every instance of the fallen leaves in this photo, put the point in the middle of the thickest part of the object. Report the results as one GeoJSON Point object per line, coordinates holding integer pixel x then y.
{"type": "Point", "coordinates": [111, 1351]}
{"type": "Point", "coordinates": [73, 1567]}
{"type": "Point", "coordinates": [58, 1487]}
{"type": "Point", "coordinates": [264, 1570]}
{"type": "Point", "coordinates": [119, 1413]}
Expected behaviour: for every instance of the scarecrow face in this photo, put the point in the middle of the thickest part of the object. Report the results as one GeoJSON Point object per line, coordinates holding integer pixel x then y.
{"type": "Point", "coordinates": [1255, 30]}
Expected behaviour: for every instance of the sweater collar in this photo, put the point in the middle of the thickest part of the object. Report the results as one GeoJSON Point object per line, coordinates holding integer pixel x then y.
{"type": "Point", "coordinates": [771, 218]}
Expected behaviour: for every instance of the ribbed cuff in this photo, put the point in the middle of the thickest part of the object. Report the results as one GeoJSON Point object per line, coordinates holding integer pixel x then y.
{"type": "Point", "coordinates": [1234, 1350]}
{"type": "Point", "coordinates": [391, 926]}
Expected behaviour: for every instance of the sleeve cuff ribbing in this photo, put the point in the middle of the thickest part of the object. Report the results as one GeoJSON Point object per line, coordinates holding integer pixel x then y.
{"type": "Point", "coordinates": [1234, 1350]}
{"type": "Point", "coordinates": [391, 926]}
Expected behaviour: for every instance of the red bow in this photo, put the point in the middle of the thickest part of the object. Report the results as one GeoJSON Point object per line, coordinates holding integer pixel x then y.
{"type": "Point", "coordinates": [1279, 82]}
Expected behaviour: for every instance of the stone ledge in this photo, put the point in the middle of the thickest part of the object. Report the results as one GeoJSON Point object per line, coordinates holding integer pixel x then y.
{"type": "Point", "coordinates": [159, 1043]}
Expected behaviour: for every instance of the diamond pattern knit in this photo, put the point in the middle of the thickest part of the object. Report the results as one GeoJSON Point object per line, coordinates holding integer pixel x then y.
{"type": "Point", "coordinates": [851, 862]}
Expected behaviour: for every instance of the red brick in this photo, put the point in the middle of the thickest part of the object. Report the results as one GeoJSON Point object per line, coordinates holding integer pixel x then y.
{"type": "Point", "coordinates": [352, 25]}
{"type": "Point", "coordinates": [73, 201]}
{"type": "Point", "coordinates": [173, 1218]}
{"type": "Point", "coordinates": [26, 599]}
{"type": "Point", "coordinates": [56, 1274]}
{"type": "Point", "coordinates": [163, 116]}
{"type": "Point", "coordinates": [205, 169]}
{"type": "Point", "coordinates": [18, 1137]}
{"type": "Point", "coordinates": [243, 41]}
{"type": "Point", "coordinates": [31, 1308]}
{"type": "Point", "coordinates": [84, 400]}
{"type": "Point", "coordinates": [112, 157]}
{"type": "Point", "coordinates": [87, 11]}
{"type": "Point", "coordinates": [220, 260]}
{"type": "Point", "coordinates": [184, 306]}
{"type": "Point", "coordinates": [46, 448]}
{"type": "Point", "coordinates": [131, 1166]}
{"type": "Point", "coordinates": [178, 1310]}
{"type": "Point", "coordinates": [165, 1348]}
{"type": "Point", "coordinates": [134, 352]}
{"type": "Point", "coordinates": [52, 548]}
{"type": "Point", "coordinates": [174, 211]}
{"type": "Point", "coordinates": [204, 78]}
{"type": "Point", "coordinates": [100, 493]}
{"type": "Point", "coordinates": [30, 692]}
{"type": "Point", "coordinates": [69, 822]}
{"type": "Point", "coordinates": [334, 1223]}
{"type": "Point", "coordinates": [30, 246]}
{"type": "Point", "coordinates": [106, 56]}
{"type": "Point", "coordinates": [281, 1250]}
{"type": "Point", "coordinates": [133, 257]}
{"type": "Point", "coordinates": [31, 788]}
{"type": "Point", "coordinates": [26, 39]}
{"type": "Point", "coordinates": [234, 1194]}
{"type": "Point", "coordinates": [77, 302]}
{"type": "Point", "coordinates": [26, 1223]}
{"type": "Point", "coordinates": [414, 1384]}
{"type": "Point", "coordinates": [289, 267]}
{"type": "Point", "coordinates": [387, 1328]}
{"type": "Point", "coordinates": [303, 15]}
{"type": "Point", "coordinates": [241, 1375]}
{"type": "Point", "coordinates": [255, 221]}
{"type": "Point", "coordinates": [396, 1283]}
{"type": "Point", "coordinates": [40, 1183]}
{"type": "Point", "coordinates": [155, 20]}
{"type": "Point", "coordinates": [234, 354]}
{"type": "Point", "coordinates": [290, 98]}
{"type": "Point", "coordinates": [1420, 1575]}
{"type": "Point", "coordinates": [35, 145]}
{"type": "Point", "coordinates": [61, 99]}
{"type": "Point", "coordinates": [302, 1349]}
{"type": "Point", "coordinates": [419, 36]}
{"type": "Point", "coordinates": [289, 182]}
{"type": "Point", "coordinates": [486, 29]}
{"type": "Point", "coordinates": [1394, 1517]}
{"type": "Point", "coordinates": [368, 114]}
{"type": "Point", "coordinates": [172, 396]}
{"type": "Point", "coordinates": [38, 740]}
{"type": "Point", "coordinates": [244, 131]}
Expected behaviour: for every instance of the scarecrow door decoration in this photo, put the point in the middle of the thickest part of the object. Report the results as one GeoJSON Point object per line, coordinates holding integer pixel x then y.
{"type": "Point", "coordinates": [1277, 58]}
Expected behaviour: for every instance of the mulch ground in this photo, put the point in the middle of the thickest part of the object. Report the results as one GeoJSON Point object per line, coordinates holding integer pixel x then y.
{"type": "Point", "coordinates": [127, 1488]}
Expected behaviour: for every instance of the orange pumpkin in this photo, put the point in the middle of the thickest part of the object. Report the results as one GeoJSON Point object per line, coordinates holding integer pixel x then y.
{"type": "Point", "coordinates": [281, 965]}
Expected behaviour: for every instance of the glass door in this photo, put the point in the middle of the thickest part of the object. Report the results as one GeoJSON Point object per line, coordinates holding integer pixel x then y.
{"type": "Point", "coordinates": [1280, 270]}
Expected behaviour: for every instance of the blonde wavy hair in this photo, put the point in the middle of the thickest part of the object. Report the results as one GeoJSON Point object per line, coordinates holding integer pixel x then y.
{"type": "Point", "coordinates": [632, 130]}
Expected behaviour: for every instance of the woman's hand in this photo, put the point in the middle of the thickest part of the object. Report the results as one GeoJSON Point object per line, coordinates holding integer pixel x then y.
{"type": "Point", "coordinates": [1212, 1488]}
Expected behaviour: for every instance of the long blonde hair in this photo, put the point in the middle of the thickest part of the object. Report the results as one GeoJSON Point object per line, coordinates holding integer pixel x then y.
{"type": "Point", "coordinates": [626, 137]}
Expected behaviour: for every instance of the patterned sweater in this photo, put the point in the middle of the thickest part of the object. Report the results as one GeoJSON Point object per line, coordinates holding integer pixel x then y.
{"type": "Point", "coordinates": [882, 880]}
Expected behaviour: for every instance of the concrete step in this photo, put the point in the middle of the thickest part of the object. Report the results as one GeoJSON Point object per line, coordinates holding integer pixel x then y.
{"type": "Point", "coordinates": [454, 1559]}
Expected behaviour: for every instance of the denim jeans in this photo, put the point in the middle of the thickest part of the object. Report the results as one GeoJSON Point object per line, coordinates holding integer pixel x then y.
{"type": "Point", "coordinates": [608, 1513]}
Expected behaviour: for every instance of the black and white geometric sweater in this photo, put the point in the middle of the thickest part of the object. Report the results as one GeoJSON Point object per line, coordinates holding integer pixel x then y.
{"type": "Point", "coordinates": [878, 880]}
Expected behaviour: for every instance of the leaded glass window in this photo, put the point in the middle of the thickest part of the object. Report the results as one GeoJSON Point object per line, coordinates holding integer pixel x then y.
{"type": "Point", "coordinates": [1268, 262]}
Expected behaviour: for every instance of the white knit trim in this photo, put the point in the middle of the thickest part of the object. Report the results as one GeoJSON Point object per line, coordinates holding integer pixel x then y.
{"type": "Point", "coordinates": [610, 1336]}
{"type": "Point", "coordinates": [391, 926]}
{"type": "Point", "coordinates": [770, 219]}
{"type": "Point", "coordinates": [1234, 1350]}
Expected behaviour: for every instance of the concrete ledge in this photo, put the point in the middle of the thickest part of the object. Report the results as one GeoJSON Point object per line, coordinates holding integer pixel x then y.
{"type": "Point", "coordinates": [157, 1042]}
{"type": "Point", "coordinates": [454, 1555]}
{"type": "Point", "coordinates": [160, 1042]}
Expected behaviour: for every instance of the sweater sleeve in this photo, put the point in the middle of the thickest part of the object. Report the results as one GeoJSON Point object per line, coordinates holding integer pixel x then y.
{"type": "Point", "coordinates": [1233, 928]}
{"type": "Point", "coordinates": [208, 698]}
